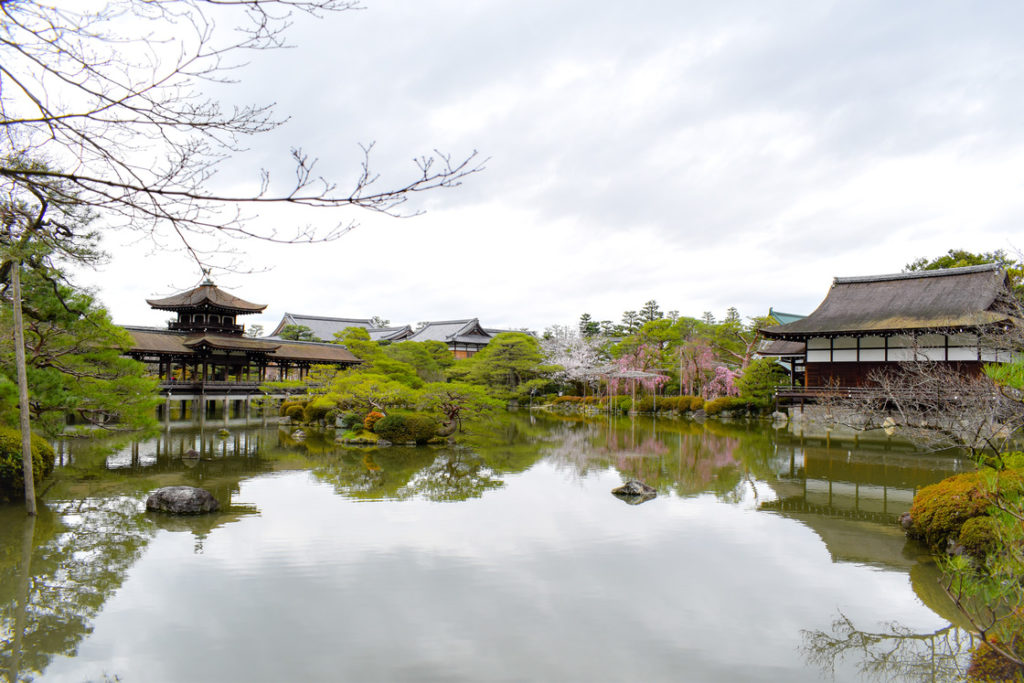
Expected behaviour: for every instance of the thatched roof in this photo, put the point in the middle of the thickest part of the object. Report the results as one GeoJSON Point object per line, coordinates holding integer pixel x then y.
{"type": "Point", "coordinates": [206, 294]}
{"type": "Point", "coordinates": [954, 298]}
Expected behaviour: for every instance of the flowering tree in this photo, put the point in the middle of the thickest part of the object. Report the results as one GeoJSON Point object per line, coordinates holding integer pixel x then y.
{"type": "Point", "coordinates": [696, 365]}
{"type": "Point", "coordinates": [723, 383]}
{"type": "Point", "coordinates": [578, 356]}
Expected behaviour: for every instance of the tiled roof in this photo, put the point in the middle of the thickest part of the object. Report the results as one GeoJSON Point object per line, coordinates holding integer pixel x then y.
{"type": "Point", "coordinates": [466, 331]}
{"type": "Point", "coordinates": [150, 340]}
{"type": "Point", "coordinates": [324, 327]}
{"type": "Point", "coordinates": [209, 294]}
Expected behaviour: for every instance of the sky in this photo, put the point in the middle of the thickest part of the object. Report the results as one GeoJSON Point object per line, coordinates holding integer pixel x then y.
{"type": "Point", "coordinates": [705, 155]}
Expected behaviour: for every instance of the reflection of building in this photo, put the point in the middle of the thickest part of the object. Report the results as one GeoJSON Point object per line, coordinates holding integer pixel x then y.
{"type": "Point", "coordinates": [852, 497]}
{"type": "Point", "coordinates": [871, 323]}
{"type": "Point", "coordinates": [204, 347]}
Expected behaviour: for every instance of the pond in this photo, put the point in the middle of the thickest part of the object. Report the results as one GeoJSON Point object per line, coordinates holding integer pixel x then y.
{"type": "Point", "coordinates": [765, 556]}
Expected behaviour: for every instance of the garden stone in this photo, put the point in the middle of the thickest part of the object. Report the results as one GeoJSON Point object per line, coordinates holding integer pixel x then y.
{"type": "Point", "coordinates": [635, 492]}
{"type": "Point", "coordinates": [182, 500]}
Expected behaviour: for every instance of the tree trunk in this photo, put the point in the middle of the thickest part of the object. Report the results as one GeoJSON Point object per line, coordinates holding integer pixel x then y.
{"type": "Point", "coordinates": [23, 410]}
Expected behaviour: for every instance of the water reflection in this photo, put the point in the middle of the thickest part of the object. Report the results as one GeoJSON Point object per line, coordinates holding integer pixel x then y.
{"type": "Point", "coordinates": [893, 652]}
{"type": "Point", "coordinates": [543, 543]}
{"type": "Point", "coordinates": [70, 561]}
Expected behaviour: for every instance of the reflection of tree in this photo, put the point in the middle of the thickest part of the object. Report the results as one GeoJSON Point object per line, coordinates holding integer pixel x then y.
{"type": "Point", "coordinates": [81, 554]}
{"type": "Point", "coordinates": [454, 475]}
{"type": "Point", "coordinates": [376, 474]}
{"type": "Point", "coordinates": [678, 456]}
{"type": "Point", "coordinates": [404, 473]}
{"type": "Point", "coordinates": [894, 653]}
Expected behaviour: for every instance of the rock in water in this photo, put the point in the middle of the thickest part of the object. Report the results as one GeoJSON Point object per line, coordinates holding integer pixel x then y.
{"type": "Point", "coordinates": [635, 492]}
{"type": "Point", "coordinates": [182, 500]}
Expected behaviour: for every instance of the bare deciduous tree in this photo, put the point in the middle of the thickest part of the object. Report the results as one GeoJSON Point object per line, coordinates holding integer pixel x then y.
{"type": "Point", "coordinates": [111, 96]}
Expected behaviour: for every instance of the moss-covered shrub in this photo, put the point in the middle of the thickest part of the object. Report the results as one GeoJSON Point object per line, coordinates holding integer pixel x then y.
{"type": "Point", "coordinates": [287, 404]}
{"type": "Point", "coordinates": [12, 478]}
{"type": "Point", "coordinates": [295, 412]}
{"type": "Point", "coordinates": [988, 666]}
{"type": "Point", "coordinates": [421, 427]}
{"type": "Point", "coordinates": [939, 511]}
{"type": "Point", "coordinates": [392, 427]}
{"type": "Point", "coordinates": [349, 421]}
{"type": "Point", "coordinates": [371, 419]}
{"type": "Point", "coordinates": [320, 409]}
{"type": "Point", "coordinates": [979, 536]}
{"type": "Point", "coordinates": [732, 404]}
{"type": "Point", "coordinates": [402, 428]}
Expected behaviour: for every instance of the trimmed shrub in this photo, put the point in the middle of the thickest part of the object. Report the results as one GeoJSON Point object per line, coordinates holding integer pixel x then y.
{"type": "Point", "coordinates": [401, 428]}
{"type": "Point", "coordinates": [645, 404]}
{"type": "Point", "coordinates": [288, 403]}
{"type": "Point", "coordinates": [979, 536]}
{"type": "Point", "coordinates": [696, 403]}
{"type": "Point", "coordinates": [319, 410]}
{"type": "Point", "coordinates": [392, 427]}
{"type": "Point", "coordinates": [939, 511]}
{"type": "Point", "coordinates": [422, 428]}
{"type": "Point", "coordinates": [12, 478]}
{"type": "Point", "coordinates": [725, 403]}
{"type": "Point", "coordinates": [371, 419]}
{"type": "Point", "coordinates": [295, 412]}
{"type": "Point", "coordinates": [988, 665]}
{"type": "Point", "coordinates": [349, 421]}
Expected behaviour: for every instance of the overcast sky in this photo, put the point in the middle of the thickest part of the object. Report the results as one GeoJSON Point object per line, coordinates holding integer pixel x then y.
{"type": "Point", "coordinates": [705, 155]}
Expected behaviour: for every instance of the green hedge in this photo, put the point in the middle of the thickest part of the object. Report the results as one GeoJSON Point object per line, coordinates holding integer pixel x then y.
{"type": "Point", "coordinates": [12, 478]}
{"type": "Point", "coordinates": [402, 428]}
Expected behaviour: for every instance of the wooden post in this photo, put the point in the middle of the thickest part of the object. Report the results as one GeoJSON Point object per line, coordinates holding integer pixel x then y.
{"type": "Point", "coordinates": [227, 408]}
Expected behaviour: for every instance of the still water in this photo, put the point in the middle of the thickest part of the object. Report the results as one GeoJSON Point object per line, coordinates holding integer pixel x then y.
{"type": "Point", "coordinates": [764, 557]}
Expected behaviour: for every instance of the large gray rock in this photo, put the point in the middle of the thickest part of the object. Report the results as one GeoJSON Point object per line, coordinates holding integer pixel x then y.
{"type": "Point", "coordinates": [182, 500]}
{"type": "Point", "coordinates": [635, 492]}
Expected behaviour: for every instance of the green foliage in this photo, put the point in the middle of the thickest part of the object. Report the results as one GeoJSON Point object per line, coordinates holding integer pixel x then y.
{"type": "Point", "coordinates": [958, 258]}
{"type": "Point", "coordinates": [939, 511]}
{"type": "Point", "coordinates": [298, 333]}
{"type": "Point", "coordinates": [295, 412]}
{"type": "Point", "coordinates": [288, 403]}
{"type": "Point", "coordinates": [349, 421]}
{"type": "Point", "coordinates": [730, 404]}
{"type": "Point", "coordinates": [74, 360]}
{"type": "Point", "coordinates": [12, 478]}
{"type": "Point", "coordinates": [759, 380]}
{"type": "Point", "coordinates": [980, 536]}
{"type": "Point", "coordinates": [371, 419]}
{"type": "Point", "coordinates": [508, 360]}
{"type": "Point", "coordinates": [402, 428]}
{"type": "Point", "coordinates": [321, 410]}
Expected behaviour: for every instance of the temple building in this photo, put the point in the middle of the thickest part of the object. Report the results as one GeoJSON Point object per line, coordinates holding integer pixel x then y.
{"type": "Point", "coordinates": [874, 322]}
{"type": "Point", "coordinates": [205, 346]}
{"type": "Point", "coordinates": [325, 328]}
{"type": "Point", "coordinates": [462, 337]}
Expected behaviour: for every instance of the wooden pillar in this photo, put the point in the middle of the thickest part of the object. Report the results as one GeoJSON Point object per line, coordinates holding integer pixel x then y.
{"type": "Point", "coordinates": [227, 408]}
